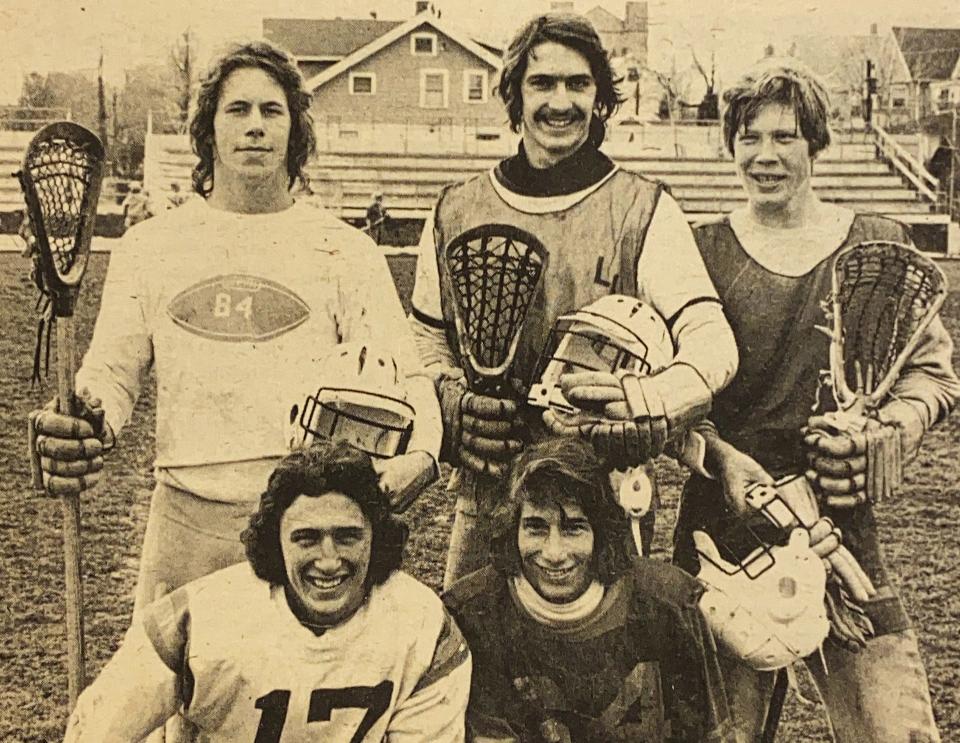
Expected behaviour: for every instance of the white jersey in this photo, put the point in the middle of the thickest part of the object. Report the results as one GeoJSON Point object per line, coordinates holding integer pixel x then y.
{"type": "Point", "coordinates": [230, 650]}
{"type": "Point", "coordinates": [235, 311]}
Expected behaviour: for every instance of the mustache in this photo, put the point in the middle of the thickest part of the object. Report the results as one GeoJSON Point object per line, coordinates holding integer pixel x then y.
{"type": "Point", "coordinates": [546, 112]}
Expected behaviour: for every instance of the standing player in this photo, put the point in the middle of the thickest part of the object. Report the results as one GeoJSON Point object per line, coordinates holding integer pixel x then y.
{"type": "Point", "coordinates": [318, 637]}
{"type": "Point", "coordinates": [771, 263]}
{"type": "Point", "coordinates": [232, 299]}
{"type": "Point", "coordinates": [572, 639]}
{"type": "Point", "coordinates": [606, 231]}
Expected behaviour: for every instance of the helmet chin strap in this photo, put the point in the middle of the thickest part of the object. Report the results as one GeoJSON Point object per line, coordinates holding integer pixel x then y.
{"type": "Point", "coordinates": [635, 495]}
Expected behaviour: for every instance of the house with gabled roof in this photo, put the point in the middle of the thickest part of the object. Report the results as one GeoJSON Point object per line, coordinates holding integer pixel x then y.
{"type": "Point", "coordinates": [420, 73]}
{"type": "Point", "coordinates": [932, 58]}
{"type": "Point", "coordinates": [318, 43]}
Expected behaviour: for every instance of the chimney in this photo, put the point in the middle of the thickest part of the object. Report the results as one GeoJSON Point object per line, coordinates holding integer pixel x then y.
{"type": "Point", "coordinates": [561, 7]}
{"type": "Point", "coordinates": [422, 6]}
{"type": "Point", "coordinates": [636, 19]}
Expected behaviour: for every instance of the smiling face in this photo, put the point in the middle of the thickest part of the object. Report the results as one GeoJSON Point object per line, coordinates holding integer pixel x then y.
{"type": "Point", "coordinates": [773, 161]}
{"type": "Point", "coordinates": [251, 129]}
{"type": "Point", "coordinates": [558, 92]}
{"type": "Point", "coordinates": [326, 543]}
{"type": "Point", "coordinates": [556, 550]}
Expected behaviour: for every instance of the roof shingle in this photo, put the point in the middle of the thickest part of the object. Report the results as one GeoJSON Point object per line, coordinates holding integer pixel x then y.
{"type": "Point", "coordinates": [326, 37]}
{"type": "Point", "coordinates": [930, 53]}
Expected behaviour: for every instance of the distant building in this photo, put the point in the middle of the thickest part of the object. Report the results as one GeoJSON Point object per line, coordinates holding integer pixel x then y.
{"type": "Point", "coordinates": [320, 43]}
{"type": "Point", "coordinates": [422, 71]}
{"type": "Point", "coordinates": [917, 71]}
{"type": "Point", "coordinates": [932, 57]}
{"type": "Point", "coordinates": [622, 38]}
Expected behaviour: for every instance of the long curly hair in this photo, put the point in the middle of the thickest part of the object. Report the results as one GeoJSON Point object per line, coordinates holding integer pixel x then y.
{"type": "Point", "coordinates": [572, 31]}
{"type": "Point", "coordinates": [553, 472]}
{"type": "Point", "coordinates": [786, 82]}
{"type": "Point", "coordinates": [324, 467]}
{"type": "Point", "coordinates": [273, 60]}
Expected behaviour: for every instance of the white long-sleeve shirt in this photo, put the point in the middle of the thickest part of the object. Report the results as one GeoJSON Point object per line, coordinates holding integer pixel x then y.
{"type": "Point", "coordinates": [228, 648]}
{"type": "Point", "coordinates": [235, 313]}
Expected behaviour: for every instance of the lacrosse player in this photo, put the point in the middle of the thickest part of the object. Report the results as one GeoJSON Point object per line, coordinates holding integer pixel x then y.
{"type": "Point", "coordinates": [572, 638]}
{"type": "Point", "coordinates": [232, 299]}
{"type": "Point", "coordinates": [771, 262]}
{"type": "Point", "coordinates": [319, 636]}
{"type": "Point", "coordinates": [605, 230]}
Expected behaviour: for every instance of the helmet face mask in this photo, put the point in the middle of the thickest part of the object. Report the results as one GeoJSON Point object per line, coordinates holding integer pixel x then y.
{"type": "Point", "coordinates": [377, 425]}
{"type": "Point", "coordinates": [363, 403]}
{"type": "Point", "coordinates": [614, 334]}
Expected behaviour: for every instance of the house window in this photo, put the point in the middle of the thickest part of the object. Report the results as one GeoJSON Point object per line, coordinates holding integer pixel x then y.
{"type": "Point", "coordinates": [363, 83]}
{"type": "Point", "coordinates": [434, 88]}
{"type": "Point", "coordinates": [475, 86]}
{"type": "Point", "coordinates": [899, 102]}
{"type": "Point", "coordinates": [423, 45]}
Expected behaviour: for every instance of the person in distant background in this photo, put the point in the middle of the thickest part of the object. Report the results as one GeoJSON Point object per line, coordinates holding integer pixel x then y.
{"type": "Point", "coordinates": [136, 206]}
{"type": "Point", "coordinates": [377, 219]}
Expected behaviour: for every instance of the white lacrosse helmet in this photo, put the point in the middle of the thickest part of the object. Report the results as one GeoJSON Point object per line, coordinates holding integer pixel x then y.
{"type": "Point", "coordinates": [362, 401]}
{"type": "Point", "coordinates": [768, 610]}
{"type": "Point", "coordinates": [613, 333]}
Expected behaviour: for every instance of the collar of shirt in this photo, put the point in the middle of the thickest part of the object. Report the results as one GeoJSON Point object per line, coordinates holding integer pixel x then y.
{"type": "Point", "coordinates": [579, 171]}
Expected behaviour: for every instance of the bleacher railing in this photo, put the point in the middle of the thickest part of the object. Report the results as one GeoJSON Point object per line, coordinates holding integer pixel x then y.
{"type": "Point", "coordinates": [25, 119]}
{"type": "Point", "coordinates": [907, 165]}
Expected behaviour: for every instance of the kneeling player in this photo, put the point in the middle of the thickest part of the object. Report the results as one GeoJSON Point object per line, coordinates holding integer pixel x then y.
{"type": "Point", "coordinates": [571, 639]}
{"type": "Point", "coordinates": [318, 637]}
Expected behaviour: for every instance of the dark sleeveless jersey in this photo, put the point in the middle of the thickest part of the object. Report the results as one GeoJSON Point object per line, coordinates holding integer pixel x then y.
{"type": "Point", "coordinates": [593, 247]}
{"type": "Point", "coordinates": [641, 667]}
{"type": "Point", "coordinates": [783, 355]}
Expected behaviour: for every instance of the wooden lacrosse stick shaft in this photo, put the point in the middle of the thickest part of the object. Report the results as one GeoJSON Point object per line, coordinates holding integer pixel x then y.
{"type": "Point", "coordinates": [76, 660]}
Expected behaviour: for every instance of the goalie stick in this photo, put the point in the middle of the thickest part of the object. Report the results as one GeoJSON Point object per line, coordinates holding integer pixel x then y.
{"type": "Point", "coordinates": [60, 178]}
{"type": "Point", "coordinates": [494, 271]}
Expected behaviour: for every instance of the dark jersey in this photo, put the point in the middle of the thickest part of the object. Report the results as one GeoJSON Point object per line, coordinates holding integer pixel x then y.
{"type": "Point", "coordinates": [784, 353]}
{"type": "Point", "coordinates": [641, 667]}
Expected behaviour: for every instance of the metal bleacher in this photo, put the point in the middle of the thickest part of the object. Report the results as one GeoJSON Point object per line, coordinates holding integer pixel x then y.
{"type": "Point", "coordinates": [851, 173]}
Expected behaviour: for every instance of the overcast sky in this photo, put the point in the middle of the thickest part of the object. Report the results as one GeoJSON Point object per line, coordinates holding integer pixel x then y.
{"type": "Point", "coordinates": [44, 35]}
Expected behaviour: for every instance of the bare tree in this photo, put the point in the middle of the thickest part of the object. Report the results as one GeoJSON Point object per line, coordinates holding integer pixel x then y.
{"type": "Point", "coordinates": [102, 109]}
{"type": "Point", "coordinates": [182, 57]}
{"type": "Point", "coordinates": [709, 108]}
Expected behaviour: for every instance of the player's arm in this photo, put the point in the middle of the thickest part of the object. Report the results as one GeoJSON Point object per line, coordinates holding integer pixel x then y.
{"type": "Point", "coordinates": [70, 448]}
{"type": "Point", "coordinates": [673, 278]}
{"type": "Point", "coordinates": [663, 406]}
{"type": "Point", "coordinates": [436, 709]}
{"type": "Point", "coordinates": [479, 432]}
{"type": "Point", "coordinates": [141, 686]}
{"type": "Point", "coordinates": [369, 310]}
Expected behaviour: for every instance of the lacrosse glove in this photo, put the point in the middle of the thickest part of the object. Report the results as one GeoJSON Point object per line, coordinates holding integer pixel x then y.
{"type": "Point", "coordinates": [66, 452]}
{"type": "Point", "coordinates": [640, 414]}
{"type": "Point", "coordinates": [861, 463]}
{"type": "Point", "coordinates": [481, 433]}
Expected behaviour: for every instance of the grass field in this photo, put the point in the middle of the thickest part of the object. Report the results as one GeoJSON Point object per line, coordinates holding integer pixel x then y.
{"type": "Point", "coordinates": [920, 530]}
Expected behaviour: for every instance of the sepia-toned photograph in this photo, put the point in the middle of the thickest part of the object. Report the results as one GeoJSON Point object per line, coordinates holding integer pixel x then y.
{"type": "Point", "coordinates": [435, 371]}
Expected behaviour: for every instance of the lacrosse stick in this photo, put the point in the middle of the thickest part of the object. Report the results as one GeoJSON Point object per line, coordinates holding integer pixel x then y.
{"type": "Point", "coordinates": [61, 175]}
{"type": "Point", "coordinates": [494, 272]}
{"type": "Point", "coordinates": [884, 295]}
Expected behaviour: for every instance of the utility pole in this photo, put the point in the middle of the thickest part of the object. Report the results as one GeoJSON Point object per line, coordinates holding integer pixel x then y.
{"type": "Point", "coordinates": [871, 91]}
{"type": "Point", "coordinates": [952, 207]}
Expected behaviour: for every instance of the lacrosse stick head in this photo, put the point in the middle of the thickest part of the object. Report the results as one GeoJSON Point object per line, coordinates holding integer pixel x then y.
{"type": "Point", "coordinates": [60, 178]}
{"type": "Point", "coordinates": [495, 270]}
{"type": "Point", "coordinates": [884, 295]}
